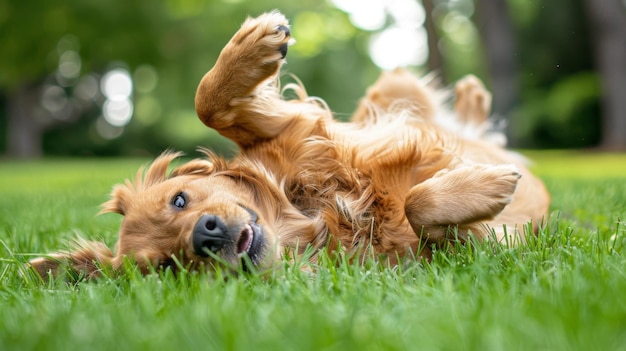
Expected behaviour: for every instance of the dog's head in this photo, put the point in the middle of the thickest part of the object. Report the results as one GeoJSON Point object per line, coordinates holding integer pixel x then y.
{"type": "Point", "coordinates": [201, 214]}
{"type": "Point", "coordinates": [197, 213]}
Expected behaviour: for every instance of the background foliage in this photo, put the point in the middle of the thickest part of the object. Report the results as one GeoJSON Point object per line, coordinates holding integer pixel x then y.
{"type": "Point", "coordinates": [167, 46]}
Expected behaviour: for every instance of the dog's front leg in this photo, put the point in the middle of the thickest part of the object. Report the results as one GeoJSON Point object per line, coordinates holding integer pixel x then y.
{"type": "Point", "coordinates": [85, 261]}
{"type": "Point", "coordinates": [462, 198]}
{"type": "Point", "coordinates": [238, 97]}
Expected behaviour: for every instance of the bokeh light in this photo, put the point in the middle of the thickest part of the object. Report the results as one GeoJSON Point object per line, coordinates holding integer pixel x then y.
{"type": "Point", "coordinates": [87, 88]}
{"type": "Point", "coordinates": [402, 42]}
{"type": "Point", "coordinates": [364, 14]}
{"type": "Point", "coordinates": [118, 112]}
{"type": "Point", "coordinates": [117, 84]}
{"type": "Point", "coordinates": [117, 87]}
{"type": "Point", "coordinates": [54, 99]}
{"type": "Point", "coordinates": [399, 47]}
{"type": "Point", "coordinates": [106, 130]}
{"type": "Point", "coordinates": [69, 65]}
{"type": "Point", "coordinates": [145, 79]}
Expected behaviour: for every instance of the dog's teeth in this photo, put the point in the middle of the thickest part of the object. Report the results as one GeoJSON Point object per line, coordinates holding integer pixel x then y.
{"type": "Point", "coordinates": [291, 41]}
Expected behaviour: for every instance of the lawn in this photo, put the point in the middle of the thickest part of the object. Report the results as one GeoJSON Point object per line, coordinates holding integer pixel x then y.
{"type": "Point", "coordinates": [562, 291]}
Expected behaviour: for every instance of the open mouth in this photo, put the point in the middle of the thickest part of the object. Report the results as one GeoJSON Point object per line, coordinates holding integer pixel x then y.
{"type": "Point", "coordinates": [250, 240]}
{"type": "Point", "coordinates": [244, 244]}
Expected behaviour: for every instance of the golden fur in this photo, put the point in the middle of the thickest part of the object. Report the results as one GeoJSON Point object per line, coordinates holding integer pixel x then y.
{"type": "Point", "coordinates": [405, 175]}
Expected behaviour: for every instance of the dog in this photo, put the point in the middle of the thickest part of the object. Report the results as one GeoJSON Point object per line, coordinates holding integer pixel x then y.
{"type": "Point", "coordinates": [405, 176]}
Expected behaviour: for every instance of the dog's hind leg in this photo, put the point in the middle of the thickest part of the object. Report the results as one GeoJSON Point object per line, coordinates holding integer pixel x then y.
{"type": "Point", "coordinates": [463, 197]}
{"type": "Point", "coordinates": [472, 107]}
{"type": "Point", "coordinates": [397, 90]}
{"type": "Point", "coordinates": [473, 101]}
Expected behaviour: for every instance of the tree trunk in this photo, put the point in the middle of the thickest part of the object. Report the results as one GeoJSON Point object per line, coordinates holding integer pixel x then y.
{"type": "Point", "coordinates": [496, 29]}
{"type": "Point", "coordinates": [608, 24]}
{"type": "Point", "coordinates": [435, 61]}
{"type": "Point", "coordinates": [24, 130]}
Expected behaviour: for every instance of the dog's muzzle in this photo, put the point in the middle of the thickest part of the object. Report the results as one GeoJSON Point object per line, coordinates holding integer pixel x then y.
{"type": "Point", "coordinates": [210, 233]}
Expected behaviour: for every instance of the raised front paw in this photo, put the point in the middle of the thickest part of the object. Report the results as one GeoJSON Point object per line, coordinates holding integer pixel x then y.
{"type": "Point", "coordinates": [266, 36]}
{"type": "Point", "coordinates": [248, 62]}
{"type": "Point", "coordinates": [259, 47]}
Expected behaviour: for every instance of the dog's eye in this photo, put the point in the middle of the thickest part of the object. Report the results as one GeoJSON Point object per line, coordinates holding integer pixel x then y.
{"type": "Point", "coordinates": [179, 201]}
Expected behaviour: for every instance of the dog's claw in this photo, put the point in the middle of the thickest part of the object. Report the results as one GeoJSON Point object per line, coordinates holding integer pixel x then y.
{"type": "Point", "coordinates": [283, 48]}
{"type": "Point", "coordinates": [284, 29]}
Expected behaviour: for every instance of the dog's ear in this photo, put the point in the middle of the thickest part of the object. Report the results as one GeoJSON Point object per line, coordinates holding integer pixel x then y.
{"type": "Point", "coordinates": [84, 261]}
{"type": "Point", "coordinates": [194, 167]}
{"type": "Point", "coordinates": [122, 194]}
{"type": "Point", "coordinates": [120, 199]}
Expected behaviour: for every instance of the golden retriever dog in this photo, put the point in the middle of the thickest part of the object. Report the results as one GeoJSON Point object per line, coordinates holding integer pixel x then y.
{"type": "Point", "coordinates": [403, 177]}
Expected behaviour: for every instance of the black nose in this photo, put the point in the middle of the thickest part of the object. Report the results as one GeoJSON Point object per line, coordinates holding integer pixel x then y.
{"type": "Point", "coordinates": [210, 233]}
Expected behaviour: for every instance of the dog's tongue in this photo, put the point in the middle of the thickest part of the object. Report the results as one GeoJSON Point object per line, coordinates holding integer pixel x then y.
{"type": "Point", "coordinates": [245, 240]}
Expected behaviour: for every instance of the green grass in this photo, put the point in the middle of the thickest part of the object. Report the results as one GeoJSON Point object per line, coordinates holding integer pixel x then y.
{"type": "Point", "coordinates": [562, 291]}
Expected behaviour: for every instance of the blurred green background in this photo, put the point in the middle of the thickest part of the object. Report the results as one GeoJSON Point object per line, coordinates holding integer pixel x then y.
{"type": "Point", "coordinates": [113, 77]}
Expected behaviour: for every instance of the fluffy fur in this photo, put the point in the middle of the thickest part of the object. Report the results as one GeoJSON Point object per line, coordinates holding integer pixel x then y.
{"type": "Point", "coordinates": [404, 176]}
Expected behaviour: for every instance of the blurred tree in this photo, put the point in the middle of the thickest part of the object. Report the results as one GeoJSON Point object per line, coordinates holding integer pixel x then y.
{"type": "Point", "coordinates": [496, 29]}
{"type": "Point", "coordinates": [51, 47]}
{"type": "Point", "coordinates": [55, 54]}
{"type": "Point", "coordinates": [47, 45]}
{"type": "Point", "coordinates": [459, 43]}
{"type": "Point", "coordinates": [435, 61]}
{"type": "Point", "coordinates": [608, 20]}
{"type": "Point", "coordinates": [558, 103]}
{"type": "Point", "coordinates": [540, 66]}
